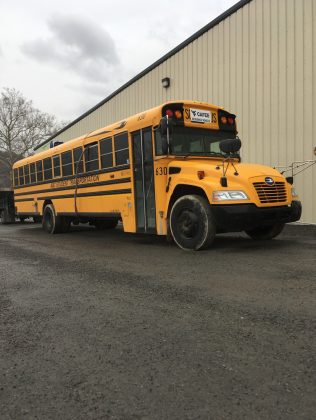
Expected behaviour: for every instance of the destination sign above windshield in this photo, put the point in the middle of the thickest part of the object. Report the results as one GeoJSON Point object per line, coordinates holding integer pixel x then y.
{"type": "Point", "coordinates": [203, 117]}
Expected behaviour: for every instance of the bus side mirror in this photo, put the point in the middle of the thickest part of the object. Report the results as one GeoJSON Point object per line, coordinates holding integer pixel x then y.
{"type": "Point", "coordinates": [165, 128]}
{"type": "Point", "coordinates": [230, 145]}
{"type": "Point", "coordinates": [290, 179]}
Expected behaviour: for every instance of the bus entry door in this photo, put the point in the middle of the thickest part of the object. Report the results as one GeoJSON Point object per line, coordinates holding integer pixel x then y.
{"type": "Point", "coordinates": [144, 186]}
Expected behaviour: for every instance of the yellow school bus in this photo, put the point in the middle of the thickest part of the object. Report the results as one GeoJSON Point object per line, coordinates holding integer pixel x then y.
{"type": "Point", "coordinates": [173, 170]}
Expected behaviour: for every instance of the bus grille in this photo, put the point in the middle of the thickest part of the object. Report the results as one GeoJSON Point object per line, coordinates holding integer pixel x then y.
{"type": "Point", "coordinates": [271, 193]}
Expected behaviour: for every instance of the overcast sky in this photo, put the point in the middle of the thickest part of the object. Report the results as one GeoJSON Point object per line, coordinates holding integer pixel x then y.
{"type": "Point", "coordinates": [67, 55]}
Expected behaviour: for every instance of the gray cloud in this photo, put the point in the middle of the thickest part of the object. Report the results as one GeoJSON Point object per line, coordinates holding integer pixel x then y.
{"type": "Point", "coordinates": [163, 30]}
{"type": "Point", "coordinates": [91, 89]}
{"type": "Point", "coordinates": [77, 45]}
{"type": "Point", "coordinates": [85, 37]}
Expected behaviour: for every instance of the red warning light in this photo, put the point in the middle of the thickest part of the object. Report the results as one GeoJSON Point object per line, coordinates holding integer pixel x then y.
{"type": "Point", "coordinates": [169, 112]}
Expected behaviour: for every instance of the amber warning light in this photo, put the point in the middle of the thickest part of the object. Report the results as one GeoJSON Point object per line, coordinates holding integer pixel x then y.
{"type": "Point", "coordinates": [201, 174]}
{"type": "Point", "coordinates": [178, 114]}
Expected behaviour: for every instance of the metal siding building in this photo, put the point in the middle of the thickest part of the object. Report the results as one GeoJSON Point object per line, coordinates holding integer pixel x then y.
{"type": "Point", "coordinates": [257, 60]}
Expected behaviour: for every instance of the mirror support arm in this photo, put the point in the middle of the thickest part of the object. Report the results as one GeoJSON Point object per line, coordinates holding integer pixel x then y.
{"type": "Point", "coordinates": [168, 135]}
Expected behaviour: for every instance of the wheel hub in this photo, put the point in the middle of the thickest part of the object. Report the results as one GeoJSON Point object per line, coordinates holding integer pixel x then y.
{"type": "Point", "coordinates": [188, 224]}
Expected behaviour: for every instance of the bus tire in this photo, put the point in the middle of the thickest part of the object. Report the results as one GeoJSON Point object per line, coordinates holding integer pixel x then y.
{"type": "Point", "coordinates": [265, 232]}
{"type": "Point", "coordinates": [105, 224]}
{"type": "Point", "coordinates": [191, 223]}
{"type": "Point", "coordinates": [169, 236]}
{"type": "Point", "coordinates": [65, 224]}
{"type": "Point", "coordinates": [50, 222]}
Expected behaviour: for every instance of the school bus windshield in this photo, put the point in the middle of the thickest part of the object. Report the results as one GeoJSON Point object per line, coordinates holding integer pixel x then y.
{"type": "Point", "coordinates": [195, 141]}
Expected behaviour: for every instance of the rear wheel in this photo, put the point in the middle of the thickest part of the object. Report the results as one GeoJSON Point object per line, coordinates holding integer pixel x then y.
{"type": "Point", "coordinates": [105, 224]}
{"type": "Point", "coordinates": [191, 223]}
{"type": "Point", "coordinates": [265, 232]}
{"type": "Point", "coordinates": [50, 222]}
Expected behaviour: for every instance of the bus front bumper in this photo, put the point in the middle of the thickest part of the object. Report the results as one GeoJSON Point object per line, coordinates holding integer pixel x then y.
{"type": "Point", "coordinates": [239, 217]}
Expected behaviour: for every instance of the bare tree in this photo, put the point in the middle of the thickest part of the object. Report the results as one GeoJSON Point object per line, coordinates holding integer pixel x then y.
{"type": "Point", "coordinates": [22, 127]}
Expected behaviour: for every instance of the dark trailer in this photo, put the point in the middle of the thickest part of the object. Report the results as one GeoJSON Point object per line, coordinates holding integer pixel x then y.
{"type": "Point", "coordinates": [7, 210]}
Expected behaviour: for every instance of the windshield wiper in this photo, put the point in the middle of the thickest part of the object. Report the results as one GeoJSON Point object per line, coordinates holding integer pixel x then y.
{"type": "Point", "coordinates": [215, 154]}
{"type": "Point", "coordinates": [206, 154]}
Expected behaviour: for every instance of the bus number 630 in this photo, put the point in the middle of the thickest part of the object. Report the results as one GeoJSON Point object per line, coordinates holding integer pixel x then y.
{"type": "Point", "coordinates": [161, 170]}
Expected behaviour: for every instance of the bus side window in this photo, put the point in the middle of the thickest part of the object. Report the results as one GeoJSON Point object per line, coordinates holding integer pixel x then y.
{"type": "Point", "coordinates": [106, 153]}
{"type": "Point", "coordinates": [21, 175]}
{"type": "Point", "coordinates": [27, 174]}
{"type": "Point", "coordinates": [78, 160]}
{"type": "Point", "coordinates": [158, 143]}
{"type": "Point", "coordinates": [66, 161]}
{"type": "Point", "coordinates": [91, 153]}
{"type": "Point", "coordinates": [121, 149]}
{"type": "Point", "coordinates": [56, 164]}
{"type": "Point", "coordinates": [48, 173]}
{"type": "Point", "coordinates": [39, 170]}
{"type": "Point", "coordinates": [16, 177]}
{"type": "Point", "coordinates": [32, 173]}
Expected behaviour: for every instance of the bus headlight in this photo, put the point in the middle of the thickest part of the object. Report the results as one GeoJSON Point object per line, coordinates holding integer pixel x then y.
{"type": "Point", "coordinates": [229, 195]}
{"type": "Point", "coordinates": [294, 192]}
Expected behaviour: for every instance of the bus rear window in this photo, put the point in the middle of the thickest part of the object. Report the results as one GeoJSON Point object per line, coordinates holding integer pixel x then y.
{"type": "Point", "coordinates": [92, 157]}
{"type": "Point", "coordinates": [56, 163]}
{"type": "Point", "coordinates": [48, 169]}
{"type": "Point", "coordinates": [21, 176]}
{"type": "Point", "coordinates": [32, 173]}
{"type": "Point", "coordinates": [27, 174]}
{"type": "Point", "coordinates": [66, 161]}
{"type": "Point", "coordinates": [39, 170]}
{"type": "Point", "coordinates": [78, 160]}
{"type": "Point", "coordinates": [106, 153]}
{"type": "Point", "coordinates": [121, 149]}
{"type": "Point", "coordinates": [16, 177]}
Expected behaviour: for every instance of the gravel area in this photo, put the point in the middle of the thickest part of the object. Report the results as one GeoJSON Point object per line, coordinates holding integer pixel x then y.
{"type": "Point", "coordinates": [108, 325]}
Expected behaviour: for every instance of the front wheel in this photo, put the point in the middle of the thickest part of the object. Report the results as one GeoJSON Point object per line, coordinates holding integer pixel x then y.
{"type": "Point", "coordinates": [265, 232]}
{"type": "Point", "coordinates": [191, 223]}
